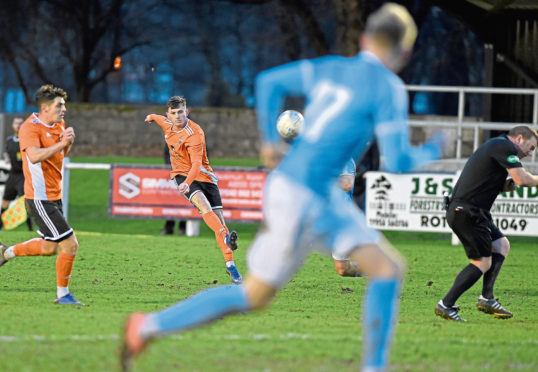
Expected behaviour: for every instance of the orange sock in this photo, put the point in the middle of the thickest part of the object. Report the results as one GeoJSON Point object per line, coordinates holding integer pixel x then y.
{"type": "Point", "coordinates": [64, 266]}
{"type": "Point", "coordinates": [31, 247]}
{"type": "Point", "coordinates": [211, 219]}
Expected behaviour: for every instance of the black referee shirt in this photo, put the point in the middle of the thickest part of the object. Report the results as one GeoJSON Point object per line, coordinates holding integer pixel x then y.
{"type": "Point", "coordinates": [484, 174]}
{"type": "Point", "coordinates": [14, 152]}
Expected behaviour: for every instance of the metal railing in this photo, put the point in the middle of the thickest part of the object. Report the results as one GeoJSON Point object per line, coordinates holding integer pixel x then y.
{"type": "Point", "coordinates": [459, 123]}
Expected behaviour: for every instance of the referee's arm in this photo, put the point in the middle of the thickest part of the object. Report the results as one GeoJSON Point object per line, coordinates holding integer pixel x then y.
{"type": "Point", "coordinates": [522, 177]}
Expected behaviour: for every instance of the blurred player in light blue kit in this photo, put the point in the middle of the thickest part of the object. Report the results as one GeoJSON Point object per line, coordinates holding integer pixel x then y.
{"type": "Point", "coordinates": [349, 102]}
{"type": "Point", "coordinates": [346, 181]}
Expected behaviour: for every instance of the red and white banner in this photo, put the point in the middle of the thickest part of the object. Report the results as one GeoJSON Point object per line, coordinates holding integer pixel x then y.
{"type": "Point", "coordinates": [148, 192]}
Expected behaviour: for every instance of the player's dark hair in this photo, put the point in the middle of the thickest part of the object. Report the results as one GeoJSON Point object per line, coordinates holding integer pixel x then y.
{"type": "Point", "coordinates": [48, 93]}
{"type": "Point", "coordinates": [175, 101]}
{"type": "Point", "coordinates": [523, 130]}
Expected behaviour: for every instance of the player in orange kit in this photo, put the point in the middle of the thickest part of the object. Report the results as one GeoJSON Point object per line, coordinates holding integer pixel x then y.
{"type": "Point", "coordinates": [44, 141]}
{"type": "Point", "coordinates": [194, 176]}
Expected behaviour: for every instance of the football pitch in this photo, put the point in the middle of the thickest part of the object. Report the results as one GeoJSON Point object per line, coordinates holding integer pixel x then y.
{"type": "Point", "coordinates": [313, 325]}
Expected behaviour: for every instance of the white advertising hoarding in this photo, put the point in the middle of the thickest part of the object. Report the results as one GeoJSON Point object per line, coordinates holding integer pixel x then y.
{"type": "Point", "coordinates": [414, 202]}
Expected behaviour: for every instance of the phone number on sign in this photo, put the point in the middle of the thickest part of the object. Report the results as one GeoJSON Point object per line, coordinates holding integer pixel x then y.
{"type": "Point", "coordinates": [514, 224]}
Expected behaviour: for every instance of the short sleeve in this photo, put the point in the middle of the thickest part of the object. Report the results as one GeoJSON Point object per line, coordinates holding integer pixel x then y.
{"type": "Point", "coordinates": [506, 155]}
{"type": "Point", "coordinates": [28, 136]}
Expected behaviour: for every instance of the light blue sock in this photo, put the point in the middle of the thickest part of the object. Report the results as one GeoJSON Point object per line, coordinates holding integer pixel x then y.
{"type": "Point", "coordinates": [200, 309]}
{"type": "Point", "coordinates": [379, 320]}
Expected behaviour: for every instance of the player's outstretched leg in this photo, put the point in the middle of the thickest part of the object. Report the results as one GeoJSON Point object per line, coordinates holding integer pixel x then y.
{"type": "Point", "coordinates": [231, 240]}
{"type": "Point", "coordinates": [231, 270]}
{"type": "Point", "coordinates": [202, 308]}
{"type": "Point", "coordinates": [32, 247]}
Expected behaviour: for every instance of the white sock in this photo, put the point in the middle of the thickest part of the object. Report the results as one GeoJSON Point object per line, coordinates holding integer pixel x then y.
{"type": "Point", "coordinates": [9, 254]}
{"type": "Point", "coordinates": [62, 291]}
{"type": "Point", "coordinates": [230, 263]}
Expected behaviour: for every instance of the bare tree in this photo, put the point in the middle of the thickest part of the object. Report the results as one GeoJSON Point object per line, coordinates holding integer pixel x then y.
{"type": "Point", "coordinates": [12, 19]}
{"type": "Point", "coordinates": [347, 18]}
{"type": "Point", "coordinates": [81, 38]}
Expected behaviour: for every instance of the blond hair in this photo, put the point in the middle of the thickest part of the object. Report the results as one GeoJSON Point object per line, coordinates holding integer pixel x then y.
{"type": "Point", "coordinates": [393, 26]}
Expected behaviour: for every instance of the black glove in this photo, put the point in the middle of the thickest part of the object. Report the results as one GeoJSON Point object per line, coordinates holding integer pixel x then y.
{"type": "Point", "coordinates": [509, 185]}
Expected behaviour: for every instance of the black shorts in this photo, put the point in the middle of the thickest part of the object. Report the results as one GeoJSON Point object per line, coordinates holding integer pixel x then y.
{"type": "Point", "coordinates": [14, 186]}
{"type": "Point", "coordinates": [474, 227]}
{"type": "Point", "coordinates": [49, 218]}
{"type": "Point", "coordinates": [209, 189]}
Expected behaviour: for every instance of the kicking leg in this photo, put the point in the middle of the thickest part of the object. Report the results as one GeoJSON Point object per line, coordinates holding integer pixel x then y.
{"type": "Point", "coordinates": [231, 236]}
{"type": "Point", "coordinates": [200, 201]}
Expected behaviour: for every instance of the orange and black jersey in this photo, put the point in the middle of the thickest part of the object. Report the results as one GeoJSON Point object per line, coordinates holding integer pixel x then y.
{"type": "Point", "coordinates": [42, 180]}
{"type": "Point", "coordinates": [188, 155]}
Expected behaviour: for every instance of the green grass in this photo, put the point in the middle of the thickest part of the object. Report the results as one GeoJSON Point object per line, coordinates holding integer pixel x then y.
{"type": "Point", "coordinates": [123, 265]}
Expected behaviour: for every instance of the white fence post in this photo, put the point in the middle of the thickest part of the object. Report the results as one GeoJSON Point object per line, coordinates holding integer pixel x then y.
{"type": "Point", "coordinates": [461, 114]}
{"type": "Point", "coordinates": [65, 187]}
{"type": "Point", "coordinates": [192, 228]}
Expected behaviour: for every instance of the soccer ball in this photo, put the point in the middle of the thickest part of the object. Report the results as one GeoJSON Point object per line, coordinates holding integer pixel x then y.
{"type": "Point", "coordinates": [289, 124]}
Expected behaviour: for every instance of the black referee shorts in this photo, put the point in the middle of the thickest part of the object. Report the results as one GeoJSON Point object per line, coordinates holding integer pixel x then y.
{"type": "Point", "coordinates": [14, 186]}
{"type": "Point", "coordinates": [48, 216]}
{"type": "Point", "coordinates": [474, 228]}
{"type": "Point", "coordinates": [209, 189]}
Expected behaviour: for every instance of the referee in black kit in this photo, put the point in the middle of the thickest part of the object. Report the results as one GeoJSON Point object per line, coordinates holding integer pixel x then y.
{"type": "Point", "coordinates": [15, 182]}
{"type": "Point", "coordinates": [468, 214]}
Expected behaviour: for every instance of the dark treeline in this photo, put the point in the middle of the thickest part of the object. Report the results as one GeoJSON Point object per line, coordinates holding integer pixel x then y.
{"type": "Point", "coordinates": [210, 51]}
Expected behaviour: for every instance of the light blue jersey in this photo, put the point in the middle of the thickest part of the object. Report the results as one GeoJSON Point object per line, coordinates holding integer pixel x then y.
{"type": "Point", "coordinates": [349, 101]}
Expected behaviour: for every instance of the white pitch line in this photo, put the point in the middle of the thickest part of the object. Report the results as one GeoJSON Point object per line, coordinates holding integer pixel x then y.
{"type": "Point", "coordinates": [251, 337]}
{"type": "Point", "coordinates": [255, 337]}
